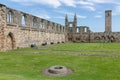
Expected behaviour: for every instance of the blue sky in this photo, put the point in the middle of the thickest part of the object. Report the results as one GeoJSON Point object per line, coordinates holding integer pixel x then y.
{"type": "Point", "coordinates": [89, 12]}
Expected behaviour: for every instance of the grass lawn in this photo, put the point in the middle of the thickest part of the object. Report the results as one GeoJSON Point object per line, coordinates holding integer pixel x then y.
{"type": "Point", "coordinates": [89, 61]}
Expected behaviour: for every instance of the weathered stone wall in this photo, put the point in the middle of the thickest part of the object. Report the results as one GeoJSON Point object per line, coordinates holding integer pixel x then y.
{"type": "Point", "coordinates": [24, 38]}
{"type": "Point", "coordinates": [2, 25]}
{"type": "Point", "coordinates": [19, 30]}
{"type": "Point", "coordinates": [106, 37]}
{"type": "Point", "coordinates": [80, 34]}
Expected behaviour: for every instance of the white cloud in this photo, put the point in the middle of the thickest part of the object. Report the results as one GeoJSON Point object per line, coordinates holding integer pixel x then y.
{"type": "Point", "coordinates": [84, 3]}
{"type": "Point", "coordinates": [40, 13]}
{"type": "Point", "coordinates": [98, 16]}
{"type": "Point", "coordinates": [69, 2]}
{"type": "Point", "coordinates": [91, 8]}
{"type": "Point", "coordinates": [102, 1]}
{"type": "Point", "coordinates": [44, 16]}
{"type": "Point", "coordinates": [105, 1]}
{"type": "Point", "coordinates": [93, 4]}
{"type": "Point", "coordinates": [53, 3]}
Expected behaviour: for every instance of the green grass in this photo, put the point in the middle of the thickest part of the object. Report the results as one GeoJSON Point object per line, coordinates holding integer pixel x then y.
{"type": "Point", "coordinates": [28, 64]}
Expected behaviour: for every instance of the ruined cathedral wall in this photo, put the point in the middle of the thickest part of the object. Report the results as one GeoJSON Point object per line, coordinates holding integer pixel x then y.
{"type": "Point", "coordinates": [105, 37]}
{"type": "Point", "coordinates": [116, 35]}
{"type": "Point", "coordinates": [19, 29]}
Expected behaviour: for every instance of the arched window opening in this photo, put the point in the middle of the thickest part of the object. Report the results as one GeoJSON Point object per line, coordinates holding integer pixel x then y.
{"type": "Point", "coordinates": [23, 20]}
{"type": "Point", "coordinates": [52, 26]}
{"type": "Point", "coordinates": [77, 30]}
{"type": "Point", "coordinates": [43, 25]}
{"type": "Point", "coordinates": [33, 23]}
{"type": "Point", "coordinates": [40, 25]}
{"type": "Point", "coordinates": [57, 27]}
{"type": "Point", "coordinates": [85, 29]}
{"type": "Point", "coordinates": [60, 28]}
{"type": "Point", "coordinates": [10, 40]}
{"type": "Point", "coordinates": [9, 17]}
{"type": "Point", "coordinates": [70, 25]}
{"type": "Point", "coordinates": [70, 29]}
{"type": "Point", "coordinates": [48, 25]}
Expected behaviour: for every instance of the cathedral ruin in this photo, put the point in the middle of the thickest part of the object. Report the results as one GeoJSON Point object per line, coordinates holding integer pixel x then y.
{"type": "Point", "coordinates": [84, 34]}
{"type": "Point", "coordinates": [19, 30]}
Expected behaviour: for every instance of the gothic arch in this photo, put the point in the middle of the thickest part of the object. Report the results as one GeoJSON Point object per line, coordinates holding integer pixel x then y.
{"type": "Point", "coordinates": [23, 19]}
{"type": "Point", "coordinates": [103, 37]}
{"type": "Point", "coordinates": [10, 16]}
{"type": "Point", "coordinates": [112, 39]}
{"type": "Point", "coordinates": [34, 21]}
{"type": "Point", "coordinates": [10, 41]}
{"type": "Point", "coordinates": [97, 38]}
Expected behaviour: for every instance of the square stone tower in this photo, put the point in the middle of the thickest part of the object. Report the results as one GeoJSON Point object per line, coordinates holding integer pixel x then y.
{"type": "Point", "coordinates": [108, 21]}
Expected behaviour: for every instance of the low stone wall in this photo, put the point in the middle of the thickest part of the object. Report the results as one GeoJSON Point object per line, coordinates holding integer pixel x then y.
{"type": "Point", "coordinates": [106, 37]}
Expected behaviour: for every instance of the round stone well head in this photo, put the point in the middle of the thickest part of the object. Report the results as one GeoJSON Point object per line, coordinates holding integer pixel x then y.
{"type": "Point", "coordinates": [57, 70]}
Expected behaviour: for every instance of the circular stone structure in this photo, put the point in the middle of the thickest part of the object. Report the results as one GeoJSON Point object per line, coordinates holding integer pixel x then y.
{"type": "Point", "coordinates": [57, 71]}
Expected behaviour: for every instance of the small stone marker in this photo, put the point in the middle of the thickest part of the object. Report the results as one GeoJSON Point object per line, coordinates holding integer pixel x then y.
{"type": "Point", "coordinates": [57, 71]}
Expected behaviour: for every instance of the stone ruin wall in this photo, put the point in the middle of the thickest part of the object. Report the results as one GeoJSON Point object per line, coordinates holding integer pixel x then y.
{"type": "Point", "coordinates": [105, 37]}
{"type": "Point", "coordinates": [19, 30]}
{"type": "Point", "coordinates": [2, 25]}
{"type": "Point", "coordinates": [87, 35]}
{"type": "Point", "coordinates": [80, 34]}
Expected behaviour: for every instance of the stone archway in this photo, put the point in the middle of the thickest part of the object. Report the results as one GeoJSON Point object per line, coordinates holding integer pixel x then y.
{"type": "Point", "coordinates": [97, 38]}
{"type": "Point", "coordinates": [112, 39]}
{"type": "Point", "coordinates": [10, 41]}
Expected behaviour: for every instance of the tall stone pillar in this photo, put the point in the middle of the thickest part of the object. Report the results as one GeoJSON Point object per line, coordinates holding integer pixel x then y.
{"type": "Point", "coordinates": [74, 24]}
{"type": "Point", "coordinates": [66, 23]}
{"type": "Point", "coordinates": [108, 21]}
